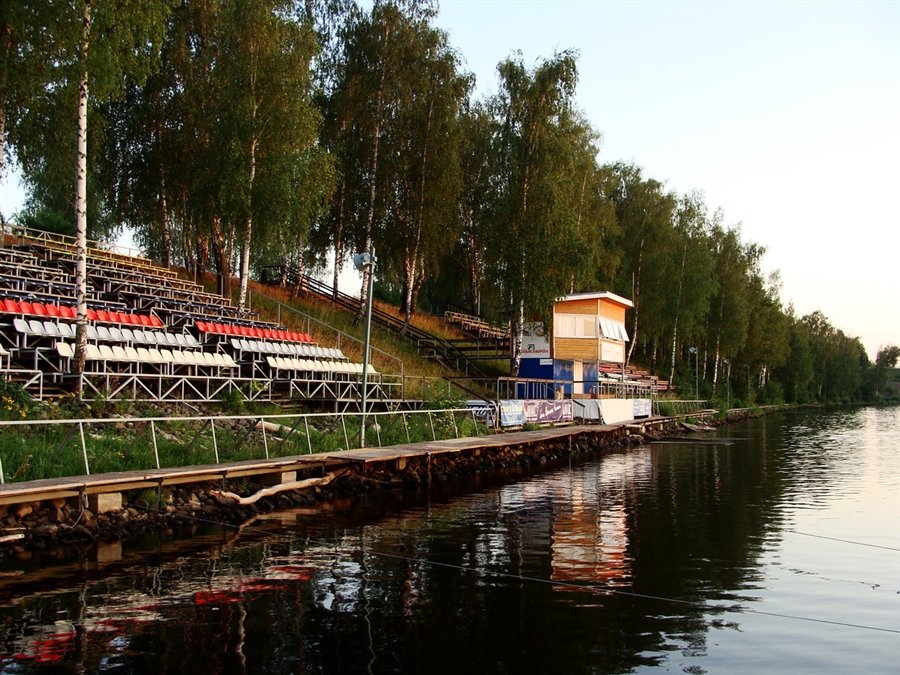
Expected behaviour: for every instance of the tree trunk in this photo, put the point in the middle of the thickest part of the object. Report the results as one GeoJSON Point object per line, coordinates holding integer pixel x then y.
{"type": "Point", "coordinates": [223, 266]}
{"type": "Point", "coordinates": [301, 268]}
{"type": "Point", "coordinates": [677, 311]}
{"type": "Point", "coordinates": [474, 282]}
{"type": "Point", "coordinates": [637, 296]}
{"type": "Point", "coordinates": [420, 279]}
{"type": "Point", "coordinates": [412, 266]}
{"type": "Point", "coordinates": [338, 238]}
{"type": "Point", "coordinates": [202, 257]}
{"type": "Point", "coordinates": [164, 212]}
{"type": "Point", "coordinates": [370, 216]}
{"type": "Point", "coordinates": [81, 201]}
{"type": "Point", "coordinates": [519, 338]}
{"type": "Point", "coordinates": [245, 253]}
{"type": "Point", "coordinates": [2, 148]}
{"type": "Point", "coordinates": [163, 206]}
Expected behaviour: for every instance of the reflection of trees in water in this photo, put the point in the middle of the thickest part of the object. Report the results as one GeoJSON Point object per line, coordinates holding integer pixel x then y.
{"type": "Point", "coordinates": [678, 521]}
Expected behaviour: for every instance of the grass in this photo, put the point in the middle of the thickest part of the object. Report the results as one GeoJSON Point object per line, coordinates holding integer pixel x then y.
{"type": "Point", "coordinates": [31, 452]}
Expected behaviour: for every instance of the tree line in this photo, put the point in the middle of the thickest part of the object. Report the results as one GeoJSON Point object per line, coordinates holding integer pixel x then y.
{"type": "Point", "coordinates": [237, 134]}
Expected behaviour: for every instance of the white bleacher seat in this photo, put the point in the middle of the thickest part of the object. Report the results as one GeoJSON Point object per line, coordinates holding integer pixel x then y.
{"type": "Point", "coordinates": [155, 355]}
{"type": "Point", "coordinates": [92, 352]}
{"type": "Point", "coordinates": [51, 328]}
{"type": "Point", "coordinates": [132, 354]}
{"type": "Point", "coordinates": [103, 334]}
{"type": "Point", "coordinates": [144, 355]}
{"type": "Point", "coordinates": [35, 327]}
{"type": "Point", "coordinates": [127, 335]}
{"type": "Point", "coordinates": [115, 334]}
{"type": "Point", "coordinates": [66, 330]}
{"type": "Point", "coordinates": [91, 331]}
{"type": "Point", "coordinates": [65, 349]}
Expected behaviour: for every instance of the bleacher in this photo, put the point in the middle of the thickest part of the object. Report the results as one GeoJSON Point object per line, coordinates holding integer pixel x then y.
{"type": "Point", "coordinates": [475, 325]}
{"type": "Point", "coordinates": [633, 375]}
{"type": "Point", "coordinates": [150, 335]}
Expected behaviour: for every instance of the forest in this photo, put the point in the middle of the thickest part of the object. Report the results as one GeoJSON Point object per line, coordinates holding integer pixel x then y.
{"type": "Point", "coordinates": [230, 135]}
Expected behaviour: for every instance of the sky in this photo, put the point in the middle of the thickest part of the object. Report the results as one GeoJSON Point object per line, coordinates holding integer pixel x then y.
{"type": "Point", "coordinates": [786, 115]}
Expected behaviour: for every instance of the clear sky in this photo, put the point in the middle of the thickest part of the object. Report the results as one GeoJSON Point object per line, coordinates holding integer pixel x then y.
{"type": "Point", "coordinates": [785, 114]}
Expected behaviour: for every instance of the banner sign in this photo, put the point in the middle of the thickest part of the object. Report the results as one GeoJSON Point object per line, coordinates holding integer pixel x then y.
{"type": "Point", "coordinates": [615, 410]}
{"type": "Point", "coordinates": [545, 412]}
{"type": "Point", "coordinates": [512, 413]}
{"type": "Point", "coordinates": [534, 343]}
{"type": "Point", "coordinates": [642, 407]}
{"type": "Point", "coordinates": [482, 411]}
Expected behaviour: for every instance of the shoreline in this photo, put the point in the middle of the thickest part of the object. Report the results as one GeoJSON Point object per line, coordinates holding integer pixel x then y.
{"type": "Point", "coordinates": [67, 522]}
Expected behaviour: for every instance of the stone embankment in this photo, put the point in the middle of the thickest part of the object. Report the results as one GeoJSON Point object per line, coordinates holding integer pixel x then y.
{"type": "Point", "coordinates": [59, 522]}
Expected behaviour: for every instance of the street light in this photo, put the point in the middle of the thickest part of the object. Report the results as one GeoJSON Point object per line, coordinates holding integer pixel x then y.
{"type": "Point", "coordinates": [693, 350]}
{"type": "Point", "coordinates": [362, 262]}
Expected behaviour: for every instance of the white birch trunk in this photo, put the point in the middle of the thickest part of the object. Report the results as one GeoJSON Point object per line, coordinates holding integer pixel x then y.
{"type": "Point", "coordinates": [81, 201]}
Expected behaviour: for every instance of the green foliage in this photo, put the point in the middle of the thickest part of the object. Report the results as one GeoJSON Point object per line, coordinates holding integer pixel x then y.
{"type": "Point", "coordinates": [49, 451]}
{"type": "Point", "coordinates": [283, 132]}
{"type": "Point", "coordinates": [232, 400]}
{"type": "Point", "coordinates": [772, 393]}
{"type": "Point", "coordinates": [48, 220]}
{"type": "Point", "coordinates": [15, 402]}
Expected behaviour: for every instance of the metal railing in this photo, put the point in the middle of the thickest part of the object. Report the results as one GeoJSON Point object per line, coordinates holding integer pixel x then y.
{"type": "Point", "coordinates": [324, 327]}
{"type": "Point", "coordinates": [530, 388]}
{"type": "Point", "coordinates": [23, 234]}
{"type": "Point", "coordinates": [679, 407]}
{"type": "Point", "coordinates": [231, 438]}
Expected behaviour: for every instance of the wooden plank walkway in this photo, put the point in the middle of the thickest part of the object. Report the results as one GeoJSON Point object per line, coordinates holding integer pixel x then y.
{"type": "Point", "coordinates": [73, 486]}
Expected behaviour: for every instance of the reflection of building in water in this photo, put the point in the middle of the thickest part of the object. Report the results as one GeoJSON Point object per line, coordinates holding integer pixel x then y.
{"type": "Point", "coordinates": [590, 531]}
{"type": "Point", "coordinates": [575, 520]}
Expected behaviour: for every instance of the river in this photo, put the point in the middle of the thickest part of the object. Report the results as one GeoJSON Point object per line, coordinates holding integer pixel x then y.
{"type": "Point", "coordinates": [772, 545]}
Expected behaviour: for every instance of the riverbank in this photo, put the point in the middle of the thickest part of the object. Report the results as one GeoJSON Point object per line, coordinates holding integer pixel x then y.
{"type": "Point", "coordinates": [230, 495]}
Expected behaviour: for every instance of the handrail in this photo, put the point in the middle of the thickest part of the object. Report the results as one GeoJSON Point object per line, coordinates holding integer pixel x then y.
{"type": "Point", "coordinates": [447, 349]}
{"type": "Point", "coordinates": [294, 423]}
{"type": "Point", "coordinates": [68, 240]}
{"type": "Point", "coordinates": [310, 319]}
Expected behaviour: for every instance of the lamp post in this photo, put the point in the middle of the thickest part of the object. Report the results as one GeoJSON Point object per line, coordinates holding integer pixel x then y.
{"type": "Point", "coordinates": [362, 262]}
{"type": "Point", "coordinates": [693, 350]}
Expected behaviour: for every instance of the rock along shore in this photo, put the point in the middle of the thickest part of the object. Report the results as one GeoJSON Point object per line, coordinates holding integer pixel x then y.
{"type": "Point", "coordinates": [68, 522]}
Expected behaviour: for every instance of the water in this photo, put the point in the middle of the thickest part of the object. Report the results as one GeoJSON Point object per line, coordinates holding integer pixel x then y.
{"type": "Point", "coordinates": [776, 553]}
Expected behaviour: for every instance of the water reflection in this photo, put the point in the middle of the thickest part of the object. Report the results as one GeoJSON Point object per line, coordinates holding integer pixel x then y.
{"type": "Point", "coordinates": [571, 569]}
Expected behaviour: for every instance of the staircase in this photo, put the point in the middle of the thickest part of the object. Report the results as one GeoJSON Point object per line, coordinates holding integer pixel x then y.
{"type": "Point", "coordinates": [446, 352]}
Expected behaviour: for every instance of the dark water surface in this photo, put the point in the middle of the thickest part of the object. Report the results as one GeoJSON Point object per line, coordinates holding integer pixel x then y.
{"type": "Point", "coordinates": [666, 558]}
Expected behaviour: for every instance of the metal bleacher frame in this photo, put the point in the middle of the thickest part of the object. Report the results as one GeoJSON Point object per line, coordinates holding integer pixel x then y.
{"type": "Point", "coordinates": [141, 355]}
